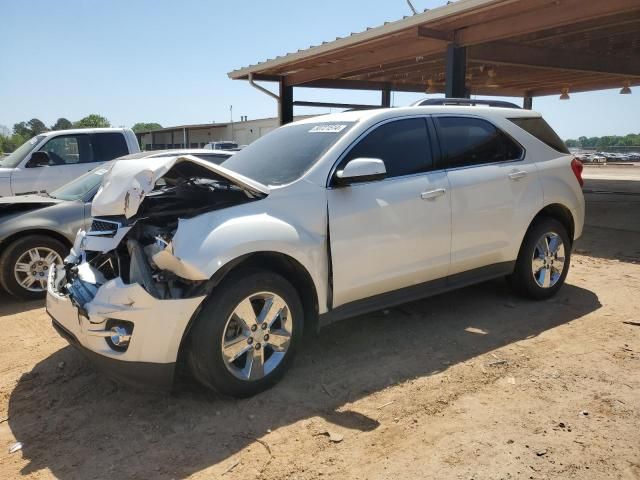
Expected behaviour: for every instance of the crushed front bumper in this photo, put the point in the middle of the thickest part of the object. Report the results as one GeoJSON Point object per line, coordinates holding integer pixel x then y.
{"type": "Point", "coordinates": [158, 327]}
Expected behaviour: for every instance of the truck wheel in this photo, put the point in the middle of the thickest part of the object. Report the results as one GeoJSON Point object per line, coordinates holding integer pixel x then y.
{"type": "Point", "coordinates": [246, 335]}
{"type": "Point", "coordinates": [25, 264]}
{"type": "Point", "coordinates": [543, 261]}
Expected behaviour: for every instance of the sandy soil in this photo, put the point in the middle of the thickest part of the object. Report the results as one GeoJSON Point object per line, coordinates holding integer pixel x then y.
{"type": "Point", "coordinates": [475, 384]}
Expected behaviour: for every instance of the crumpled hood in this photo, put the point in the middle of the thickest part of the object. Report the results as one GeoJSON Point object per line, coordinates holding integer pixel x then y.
{"type": "Point", "coordinates": [25, 203]}
{"type": "Point", "coordinates": [127, 182]}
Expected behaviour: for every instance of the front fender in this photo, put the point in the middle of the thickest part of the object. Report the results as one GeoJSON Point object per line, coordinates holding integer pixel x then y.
{"type": "Point", "coordinates": [207, 243]}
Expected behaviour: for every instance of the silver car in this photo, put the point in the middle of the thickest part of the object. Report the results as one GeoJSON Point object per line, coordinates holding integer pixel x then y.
{"type": "Point", "coordinates": [37, 231]}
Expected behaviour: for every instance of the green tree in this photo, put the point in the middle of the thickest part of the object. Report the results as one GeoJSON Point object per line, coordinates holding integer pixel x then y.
{"type": "Point", "coordinates": [92, 121]}
{"type": "Point", "coordinates": [22, 129]}
{"type": "Point", "coordinates": [36, 126]}
{"type": "Point", "coordinates": [62, 124]}
{"type": "Point", "coordinates": [145, 127]}
{"type": "Point", "coordinates": [9, 144]}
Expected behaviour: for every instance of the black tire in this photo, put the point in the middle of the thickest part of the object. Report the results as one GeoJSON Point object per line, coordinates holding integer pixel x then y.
{"type": "Point", "coordinates": [12, 254]}
{"type": "Point", "coordinates": [522, 279]}
{"type": "Point", "coordinates": [204, 355]}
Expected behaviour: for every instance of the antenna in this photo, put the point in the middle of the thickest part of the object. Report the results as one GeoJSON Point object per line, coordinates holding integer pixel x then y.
{"type": "Point", "coordinates": [413, 9]}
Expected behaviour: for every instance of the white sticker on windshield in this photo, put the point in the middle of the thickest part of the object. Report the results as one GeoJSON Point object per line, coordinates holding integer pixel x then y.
{"type": "Point", "coordinates": [102, 171]}
{"type": "Point", "coordinates": [328, 128]}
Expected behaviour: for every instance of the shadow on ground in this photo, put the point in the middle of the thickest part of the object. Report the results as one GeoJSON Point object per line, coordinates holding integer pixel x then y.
{"type": "Point", "coordinates": [612, 221]}
{"type": "Point", "coordinates": [103, 430]}
{"type": "Point", "coordinates": [11, 306]}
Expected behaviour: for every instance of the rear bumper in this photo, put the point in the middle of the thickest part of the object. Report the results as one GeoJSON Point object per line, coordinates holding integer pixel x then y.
{"type": "Point", "coordinates": [158, 376]}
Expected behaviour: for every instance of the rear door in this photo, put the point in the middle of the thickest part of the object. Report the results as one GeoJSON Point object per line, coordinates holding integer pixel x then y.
{"type": "Point", "coordinates": [494, 192]}
{"type": "Point", "coordinates": [391, 233]}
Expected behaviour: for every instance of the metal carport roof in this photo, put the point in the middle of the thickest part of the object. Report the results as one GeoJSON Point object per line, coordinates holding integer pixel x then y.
{"type": "Point", "coordinates": [522, 48]}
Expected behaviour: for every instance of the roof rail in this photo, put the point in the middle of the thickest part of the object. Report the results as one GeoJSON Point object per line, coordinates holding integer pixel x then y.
{"type": "Point", "coordinates": [464, 101]}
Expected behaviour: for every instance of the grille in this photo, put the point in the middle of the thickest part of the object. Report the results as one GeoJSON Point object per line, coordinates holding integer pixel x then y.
{"type": "Point", "coordinates": [103, 227]}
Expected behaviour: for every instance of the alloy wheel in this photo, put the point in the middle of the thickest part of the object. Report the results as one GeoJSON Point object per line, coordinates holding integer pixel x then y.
{"type": "Point", "coordinates": [548, 262]}
{"type": "Point", "coordinates": [32, 268]}
{"type": "Point", "coordinates": [257, 336]}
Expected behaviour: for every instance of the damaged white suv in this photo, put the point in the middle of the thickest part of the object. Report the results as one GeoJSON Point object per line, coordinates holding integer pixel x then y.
{"type": "Point", "coordinates": [221, 268]}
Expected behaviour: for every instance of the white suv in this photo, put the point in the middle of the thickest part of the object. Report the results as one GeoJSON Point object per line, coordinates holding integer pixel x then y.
{"type": "Point", "coordinates": [221, 268]}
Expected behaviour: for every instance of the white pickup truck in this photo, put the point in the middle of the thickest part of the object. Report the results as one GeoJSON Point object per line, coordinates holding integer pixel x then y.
{"type": "Point", "coordinates": [51, 159]}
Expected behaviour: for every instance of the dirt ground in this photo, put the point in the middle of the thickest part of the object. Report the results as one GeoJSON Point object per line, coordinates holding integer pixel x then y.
{"type": "Point", "coordinates": [475, 384]}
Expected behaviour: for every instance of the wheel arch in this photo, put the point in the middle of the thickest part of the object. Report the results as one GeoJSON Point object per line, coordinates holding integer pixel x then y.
{"type": "Point", "coordinates": [560, 213]}
{"type": "Point", "coordinates": [282, 264]}
{"type": "Point", "coordinates": [556, 211]}
{"type": "Point", "coordinates": [5, 242]}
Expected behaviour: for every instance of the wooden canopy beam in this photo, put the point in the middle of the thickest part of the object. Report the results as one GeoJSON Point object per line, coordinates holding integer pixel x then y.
{"type": "Point", "coordinates": [365, 85]}
{"type": "Point", "coordinates": [555, 59]}
{"type": "Point", "coordinates": [367, 59]}
{"type": "Point", "coordinates": [558, 14]}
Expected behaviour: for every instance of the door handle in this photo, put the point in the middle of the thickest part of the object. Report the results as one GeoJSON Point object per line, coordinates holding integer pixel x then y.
{"type": "Point", "coordinates": [517, 175]}
{"type": "Point", "coordinates": [433, 194]}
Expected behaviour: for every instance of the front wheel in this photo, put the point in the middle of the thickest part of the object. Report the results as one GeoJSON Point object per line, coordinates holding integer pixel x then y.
{"type": "Point", "coordinates": [245, 336]}
{"type": "Point", "coordinates": [543, 261]}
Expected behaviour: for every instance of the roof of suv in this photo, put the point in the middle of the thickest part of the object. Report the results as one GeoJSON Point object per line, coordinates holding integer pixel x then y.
{"type": "Point", "coordinates": [382, 113]}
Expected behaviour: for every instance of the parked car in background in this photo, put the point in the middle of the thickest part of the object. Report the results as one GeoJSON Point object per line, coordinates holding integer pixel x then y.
{"type": "Point", "coordinates": [591, 158]}
{"type": "Point", "coordinates": [223, 145]}
{"type": "Point", "coordinates": [224, 267]}
{"type": "Point", "coordinates": [51, 159]}
{"type": "Point", "coordinates": [37, 231]}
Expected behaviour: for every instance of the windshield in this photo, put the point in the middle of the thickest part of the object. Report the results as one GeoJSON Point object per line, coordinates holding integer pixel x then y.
{"type": "Point", "coordinates": [14, 159]}
{"type": "Point", "coordinates": [285, 154]}
{"type": "Point", "coordinates": [77, 189]}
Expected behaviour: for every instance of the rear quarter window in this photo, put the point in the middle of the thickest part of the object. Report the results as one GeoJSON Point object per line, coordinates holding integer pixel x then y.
{"type": "Point", "coordinates": [540, 129]}
{"type": "Point", "coordinates": [108, 145]}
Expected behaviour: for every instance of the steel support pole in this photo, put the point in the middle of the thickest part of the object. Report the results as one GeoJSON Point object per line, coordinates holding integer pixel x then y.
{"type": "Point", "coordinates": [527, 103]}
{"type": "Point", "coordinates": [285, 113]}
{"type": "Point", "coordinates": [386, 97]}
{"type": "Point", "coordinates": [455, 72]}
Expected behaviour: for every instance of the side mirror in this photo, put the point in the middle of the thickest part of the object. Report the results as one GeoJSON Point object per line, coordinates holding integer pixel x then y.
{"type": "Point", "coordinates": [361, 170]}
{"type": "Point", "coordinates": [39, 159]}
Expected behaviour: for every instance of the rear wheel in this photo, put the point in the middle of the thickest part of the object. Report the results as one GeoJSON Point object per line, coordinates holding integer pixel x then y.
{"type": "Point", "coordinates": [543, 261]}
{"type": "Point", "coordinates": [25, 264]}
{"type": "Point", "coordinates": [245, 337]}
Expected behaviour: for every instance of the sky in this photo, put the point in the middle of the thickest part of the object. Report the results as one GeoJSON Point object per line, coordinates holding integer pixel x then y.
{"type": "Point", "coordinates": [167, 61]}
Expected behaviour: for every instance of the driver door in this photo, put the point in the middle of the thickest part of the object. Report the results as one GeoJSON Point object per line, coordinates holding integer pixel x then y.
{"type": "Point", "coordinates": [69, 157]}
{"type": "Point", "coordinates": [396, 232]}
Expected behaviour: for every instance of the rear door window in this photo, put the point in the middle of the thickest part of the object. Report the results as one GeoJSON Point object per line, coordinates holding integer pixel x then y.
{"type": "Point", "coordinates": [403, 146]}
{"type": "Point", "coordinates": [108, 145]}
{"type": "Point", "coordinates": [467, 141]}
{"type": "Point", "coordinates": [540, 129]}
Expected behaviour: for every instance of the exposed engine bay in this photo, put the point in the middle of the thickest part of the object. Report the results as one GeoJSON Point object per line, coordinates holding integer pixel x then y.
{"type": "Point", "coordinates": [137, 247]}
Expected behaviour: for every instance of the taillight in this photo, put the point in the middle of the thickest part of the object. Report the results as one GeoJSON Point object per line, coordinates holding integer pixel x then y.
{"type": "Point", "coordinates": [577, 167]}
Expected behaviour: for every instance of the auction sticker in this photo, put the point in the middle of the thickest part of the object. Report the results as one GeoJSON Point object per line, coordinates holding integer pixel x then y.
{"type": "Point", "coordinates": [328, 128]}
